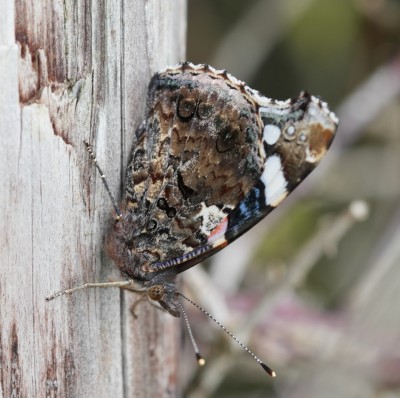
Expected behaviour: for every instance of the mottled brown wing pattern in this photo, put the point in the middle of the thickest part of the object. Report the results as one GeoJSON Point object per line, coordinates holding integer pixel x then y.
{"type": "Point", "coordinates": [212, 158]}
{"type": "Point", "coordinates": [198, 155]}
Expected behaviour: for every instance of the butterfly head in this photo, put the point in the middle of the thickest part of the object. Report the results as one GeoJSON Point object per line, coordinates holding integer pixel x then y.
{"type": "Point", "coordinates": [165, 296]}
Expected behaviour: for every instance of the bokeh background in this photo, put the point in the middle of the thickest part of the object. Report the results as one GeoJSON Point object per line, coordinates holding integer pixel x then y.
{"type": "Point", "coordinates": [314, 289]}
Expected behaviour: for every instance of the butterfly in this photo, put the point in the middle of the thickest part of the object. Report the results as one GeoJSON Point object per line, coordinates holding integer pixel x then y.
{"type": "Point", "coordinates": [212, 158]}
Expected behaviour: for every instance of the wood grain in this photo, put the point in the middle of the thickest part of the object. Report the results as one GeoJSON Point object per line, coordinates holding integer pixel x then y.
{"type": "Point", "coordinates": [70, 71]}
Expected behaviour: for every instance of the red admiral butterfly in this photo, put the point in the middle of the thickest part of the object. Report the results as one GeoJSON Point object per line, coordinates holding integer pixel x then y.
{"type": "Point", "coordinates": [212, 158]}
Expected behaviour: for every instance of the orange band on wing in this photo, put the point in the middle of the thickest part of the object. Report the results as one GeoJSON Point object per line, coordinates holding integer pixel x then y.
{"type": "Point", "coordinates": [219, 230]}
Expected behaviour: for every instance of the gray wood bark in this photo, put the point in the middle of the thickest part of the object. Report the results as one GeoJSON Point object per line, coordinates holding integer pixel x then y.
{"type": "Point", "coordinates": [73, 70]}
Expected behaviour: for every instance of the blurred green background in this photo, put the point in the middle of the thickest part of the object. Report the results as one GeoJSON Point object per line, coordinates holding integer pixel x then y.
{"type": "Point", "coordinates": [314, 289]}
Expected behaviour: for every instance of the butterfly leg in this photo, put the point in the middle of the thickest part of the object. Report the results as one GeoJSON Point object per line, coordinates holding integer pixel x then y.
{"type": "Point", "coordinates": [140, 300]}
{"type": "Point", "coordinates": [135, 304]}
{"type": "Point", "coordinates": [144, 297]}
{"type": "Point", "coordinates": [90, 285]}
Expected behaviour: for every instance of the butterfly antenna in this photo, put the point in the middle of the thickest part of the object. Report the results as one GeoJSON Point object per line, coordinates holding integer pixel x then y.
{"type": "Point", "coordinates": [103, 178]}
{"type": "Point", "coordinates": [261, 363]}
{"type": "Point", "coordinates": [200, 360]}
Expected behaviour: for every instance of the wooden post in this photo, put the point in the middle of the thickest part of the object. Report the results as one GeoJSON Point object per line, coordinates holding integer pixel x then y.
{"type": "Point", "coordinates": [73, 70]}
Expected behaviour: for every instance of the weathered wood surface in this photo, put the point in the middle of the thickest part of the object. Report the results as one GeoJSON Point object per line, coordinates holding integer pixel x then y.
{"type": "Point", "coordinates": [74, 70]}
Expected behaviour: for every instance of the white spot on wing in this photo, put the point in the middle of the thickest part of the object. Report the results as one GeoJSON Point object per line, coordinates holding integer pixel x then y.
{"type": "Point", "coordinates": [291, 130]}
{"type": "Point", "coordinates": [275, 111]}
{"type": "Point", "coordinates": [271, 134]}
{"type": "Point", "coordinates": [212, 216]}
{"type": "Point", "coordinates": [274, 181]}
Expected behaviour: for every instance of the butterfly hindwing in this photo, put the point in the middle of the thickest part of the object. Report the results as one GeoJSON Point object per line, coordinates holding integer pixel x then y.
{"type": "Point", "coordinates": [212, 158]}
{"type": "Point", "coordinates": [204, 156]}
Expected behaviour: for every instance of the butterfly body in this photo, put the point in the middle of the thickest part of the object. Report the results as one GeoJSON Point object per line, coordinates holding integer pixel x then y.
{"type": "Point", "coordinates": [212, 158]}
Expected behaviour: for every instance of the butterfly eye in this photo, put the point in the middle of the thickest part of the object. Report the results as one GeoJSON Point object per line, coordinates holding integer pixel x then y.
{"type": "Point", "coordinates": [186, 108]}
{"type": "Point", "coordinates": [226, 139]}
{"type": "Point", "coordinates": [204, 110]}
{"type": "Point", "coordinates": [156, 292]}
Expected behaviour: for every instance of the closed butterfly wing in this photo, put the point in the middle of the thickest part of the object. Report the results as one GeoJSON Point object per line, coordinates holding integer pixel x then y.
{"type": "Point", "coordinates": [212, 158]}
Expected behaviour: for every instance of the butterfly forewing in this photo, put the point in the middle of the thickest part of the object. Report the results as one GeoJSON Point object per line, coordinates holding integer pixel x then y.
{"type": "Point", "coordinates": [204, 156]}
{"type": "Point", "coordinates": [212, 158]}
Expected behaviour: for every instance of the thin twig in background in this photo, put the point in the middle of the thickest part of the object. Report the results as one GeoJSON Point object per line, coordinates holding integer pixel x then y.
{"type": "Point", "coordinates": [386, 256]}
{"type": "Point", "coordinates": [362, 106]}
{"type": "Point", "coordinates": [327, 238]}
{"type": "Point", "coordinates": [301, 265]}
